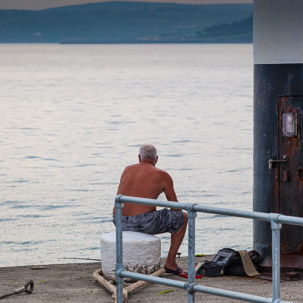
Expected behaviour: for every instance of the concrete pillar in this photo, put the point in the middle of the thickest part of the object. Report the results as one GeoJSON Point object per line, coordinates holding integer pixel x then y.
{"type": "Point", "coordinates": [278, 88]}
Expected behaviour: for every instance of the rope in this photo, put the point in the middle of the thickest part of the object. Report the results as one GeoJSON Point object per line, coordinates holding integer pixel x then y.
{"type": "Point", "coordinates": [140, 283]}
{"type": "Point", "coordinates": [110, 287]}
{"type": "Point", "coordinates": [134, 286]}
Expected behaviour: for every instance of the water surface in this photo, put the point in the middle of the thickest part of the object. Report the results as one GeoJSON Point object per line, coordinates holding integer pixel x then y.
{"type": "Point", "coordinates": [73, 116]}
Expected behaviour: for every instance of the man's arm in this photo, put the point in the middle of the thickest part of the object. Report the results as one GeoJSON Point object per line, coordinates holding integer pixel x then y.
{"type": "Point", "coordinates": [119, 187]}
{"type": "Point", "coordinates": [169, 189]}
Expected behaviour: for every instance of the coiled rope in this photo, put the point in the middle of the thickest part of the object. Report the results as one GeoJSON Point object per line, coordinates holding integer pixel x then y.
{"type": "Point", "coordinates": [98, 276]}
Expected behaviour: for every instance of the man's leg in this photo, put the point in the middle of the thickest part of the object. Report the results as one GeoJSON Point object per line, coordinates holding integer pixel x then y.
{"type": "Point", "coordinates": [176, 240]}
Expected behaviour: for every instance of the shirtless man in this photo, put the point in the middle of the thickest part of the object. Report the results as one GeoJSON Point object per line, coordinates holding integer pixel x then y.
{"type": "Point", "coordinates": [146, 181]}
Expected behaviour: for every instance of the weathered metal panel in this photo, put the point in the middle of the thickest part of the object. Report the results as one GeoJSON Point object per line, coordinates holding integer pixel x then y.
{"type": "Point", "coordinates": [270, 82]}
{"type": "Point", "coordinates": [290, 199]}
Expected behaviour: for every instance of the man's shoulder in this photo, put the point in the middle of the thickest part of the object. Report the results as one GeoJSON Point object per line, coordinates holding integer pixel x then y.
{"type": "Point", "coordinates": [131, 166]}
{"type": "Point", "coordinates": [160, 170]}
{"type": "Point", "coordinates": [152, 169]}
{"type": "Point", "coordinates": [163, 173]}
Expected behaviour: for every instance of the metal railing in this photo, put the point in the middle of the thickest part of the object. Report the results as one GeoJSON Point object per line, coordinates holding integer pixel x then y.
{"type": "Point", "coordinates": [275, 220]}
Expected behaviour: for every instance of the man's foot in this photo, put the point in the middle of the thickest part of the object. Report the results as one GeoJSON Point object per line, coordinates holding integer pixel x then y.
{"type": "Point", "coordinates": [175, 272]}
{"type": "Point", "coordinates": [181, 272]}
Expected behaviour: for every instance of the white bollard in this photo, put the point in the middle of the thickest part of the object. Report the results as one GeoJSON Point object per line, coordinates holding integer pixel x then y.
{"type": "Point", "coordinates": [141, 253]}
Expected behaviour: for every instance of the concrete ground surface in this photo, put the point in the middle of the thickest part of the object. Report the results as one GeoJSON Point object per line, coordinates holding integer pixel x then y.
{"type": "Point", "coordinates": [75, 283]}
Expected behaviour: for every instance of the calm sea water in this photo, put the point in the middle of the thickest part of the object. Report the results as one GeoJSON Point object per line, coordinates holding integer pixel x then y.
{"type": "Point", "coordinates": [73, 116]}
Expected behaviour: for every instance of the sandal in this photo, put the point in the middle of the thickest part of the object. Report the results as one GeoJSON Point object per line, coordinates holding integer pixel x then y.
{"type": "Point", "coordinates": [181, 272]}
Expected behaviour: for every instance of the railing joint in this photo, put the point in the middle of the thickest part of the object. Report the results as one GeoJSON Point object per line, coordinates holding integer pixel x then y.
{"type": "Point", "coordinates": [118, 202]}
{"type": "Point", "coordinates": [189, 287]}
{"type": "Point", "coordinates": [274, 220]}
{"type": "Point", "coordinates": [118, 198]}
{"type": "Point", "coordinates": [119, 269]}
{"type": "Point", "coordinates": [191, 211]}
{"type": "Point", "coordinates": [274, 216]}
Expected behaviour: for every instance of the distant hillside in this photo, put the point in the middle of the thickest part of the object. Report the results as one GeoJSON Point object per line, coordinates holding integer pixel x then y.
{"type": "Point", "coordinates": [125, 22]}
{"type": "Point", "coordinates": [238, 31]}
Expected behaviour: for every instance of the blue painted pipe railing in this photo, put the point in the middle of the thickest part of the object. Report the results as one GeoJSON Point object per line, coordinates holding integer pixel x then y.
{"type": "Point", "coordinates": [276, 221]}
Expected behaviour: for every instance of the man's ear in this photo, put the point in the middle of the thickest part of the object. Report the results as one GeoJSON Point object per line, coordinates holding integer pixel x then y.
{"type": "Point", "coordinates": [156, 159]}
{"type": "Point", "coordinates": [139, 158]}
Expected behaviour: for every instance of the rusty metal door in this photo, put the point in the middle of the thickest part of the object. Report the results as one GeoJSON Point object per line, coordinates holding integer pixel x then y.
{"type": "Point", "coordinates": [289, 171]}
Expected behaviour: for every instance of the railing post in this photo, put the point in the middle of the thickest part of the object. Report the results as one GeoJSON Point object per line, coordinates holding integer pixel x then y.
{"type": "Point", "coordinates": [119, 249]}
{"type": "Point", "coordinates": [191, 255]}
{"type": "Point", "coordinates": [275, 229]}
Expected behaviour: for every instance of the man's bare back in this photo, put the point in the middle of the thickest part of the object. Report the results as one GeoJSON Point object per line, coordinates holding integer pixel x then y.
{"type": "Point", "coordinates": [146, 181]}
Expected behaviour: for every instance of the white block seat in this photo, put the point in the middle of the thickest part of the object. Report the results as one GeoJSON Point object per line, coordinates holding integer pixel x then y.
{"type": "Point", "coordinates": [141, 253]}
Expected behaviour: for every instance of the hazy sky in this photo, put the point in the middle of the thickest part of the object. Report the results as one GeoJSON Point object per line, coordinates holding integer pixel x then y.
{"type": "Point", "coordinates": [41, 4]}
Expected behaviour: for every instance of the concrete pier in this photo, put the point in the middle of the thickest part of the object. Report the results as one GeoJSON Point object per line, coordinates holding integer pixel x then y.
{"type": "Point", "coordinates": [75, 283]}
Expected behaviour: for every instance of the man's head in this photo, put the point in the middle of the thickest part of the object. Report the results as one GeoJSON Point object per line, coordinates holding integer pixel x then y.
{"type": "Point", "coordinates": [148, 153]}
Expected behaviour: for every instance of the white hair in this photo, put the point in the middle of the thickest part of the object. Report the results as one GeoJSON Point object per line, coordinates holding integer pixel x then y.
{"type": "Point", "coordinates": [148, 151]}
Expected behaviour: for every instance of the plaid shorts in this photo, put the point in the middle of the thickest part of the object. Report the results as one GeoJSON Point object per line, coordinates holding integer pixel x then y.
{"type": "Point", "coordinates": [154, 222]}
